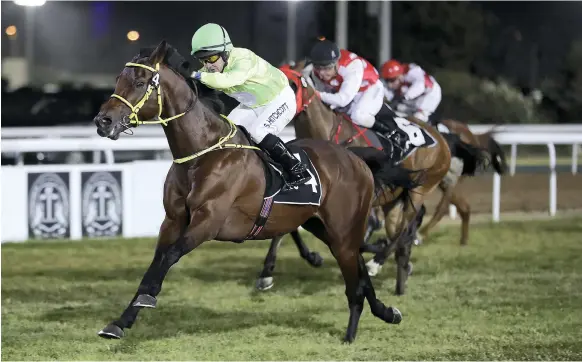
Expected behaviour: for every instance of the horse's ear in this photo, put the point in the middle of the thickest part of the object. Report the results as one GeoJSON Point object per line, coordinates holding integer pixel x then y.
{"type": "Point", "coordinates": [299, 66]}
{"type": "Point", "coordinates": [159, 53]}
{"type": "Point", "coordinates": [186, 65]}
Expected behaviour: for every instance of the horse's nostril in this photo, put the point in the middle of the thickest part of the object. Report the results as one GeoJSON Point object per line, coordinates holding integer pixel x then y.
{"type": "Point", "coordinates": [106, 121]}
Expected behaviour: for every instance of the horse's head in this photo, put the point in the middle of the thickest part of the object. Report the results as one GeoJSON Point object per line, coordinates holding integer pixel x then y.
{"type": "Point", "coordinates": [314, 118]}
{"type": "Point", "coordinates": [138, 94]}
{"type": "Point", "coordinates": [299, 65]}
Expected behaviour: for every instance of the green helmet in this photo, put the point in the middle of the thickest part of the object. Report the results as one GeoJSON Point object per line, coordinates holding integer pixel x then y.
{"type": "Point", "coordinates": [210, 39]}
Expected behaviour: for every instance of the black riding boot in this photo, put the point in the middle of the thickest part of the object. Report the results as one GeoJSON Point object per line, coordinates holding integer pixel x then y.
{"type": "Point", "coordinates": [382, 127]}
{"type": "Point", "coordinates": [433, 120]}
{"type": "Point", "coordinates": [296, 170]}
{"type": "Point", "coordinates": [393, 133]}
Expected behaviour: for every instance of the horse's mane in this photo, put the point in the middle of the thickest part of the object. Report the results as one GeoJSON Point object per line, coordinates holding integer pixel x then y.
{"type": "Point", "coordinates": [179, 65]}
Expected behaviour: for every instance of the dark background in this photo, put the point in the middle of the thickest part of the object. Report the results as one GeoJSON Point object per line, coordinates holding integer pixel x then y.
{"type": "Point", "coordinates": [514, 47]}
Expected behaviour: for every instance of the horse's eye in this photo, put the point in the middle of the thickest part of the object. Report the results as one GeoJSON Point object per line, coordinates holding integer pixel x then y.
{"type": "Point", "coordinates": [140, 84]}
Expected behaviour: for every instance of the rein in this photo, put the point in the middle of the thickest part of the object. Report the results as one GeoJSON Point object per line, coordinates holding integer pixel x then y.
{"type": "Point", "coordinates": [154, 84]}
{"type": "Point", "coordinates": [302, 91]}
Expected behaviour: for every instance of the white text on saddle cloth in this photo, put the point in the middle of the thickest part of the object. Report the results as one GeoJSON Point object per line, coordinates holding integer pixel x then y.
{"type": "Point", "coordinates": [415, 136]}
{"type": "Point", "coordinates": [313, 181]}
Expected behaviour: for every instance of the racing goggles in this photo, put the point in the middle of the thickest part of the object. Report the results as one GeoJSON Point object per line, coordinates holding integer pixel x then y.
{"type": "Point", "coordinates": [210, 60]}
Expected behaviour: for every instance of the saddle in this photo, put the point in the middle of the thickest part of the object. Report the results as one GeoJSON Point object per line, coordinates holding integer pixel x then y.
{"type": "Point", "coordinates": [403, 138]}
{"type": "Point", "coordinates": [309, 193]}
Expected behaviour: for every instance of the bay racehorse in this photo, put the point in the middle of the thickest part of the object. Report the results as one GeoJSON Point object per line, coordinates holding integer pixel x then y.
{"type": "Point", "coordinates": [455, 196]}
{"type": "Point", "coordinates": [316, 120]}
{"type": "Point", "coordinates": [216, 187]}
{"type": "Point", "coordinates": [316, 130]}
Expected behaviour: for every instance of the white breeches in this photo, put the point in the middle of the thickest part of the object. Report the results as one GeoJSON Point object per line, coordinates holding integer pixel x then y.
{"type": "Point", "coordinates": [366, 105]}
{"type": "Point", "coordinates": [269, 118]}
{"type": "Point", "coordinates": [426, 104]}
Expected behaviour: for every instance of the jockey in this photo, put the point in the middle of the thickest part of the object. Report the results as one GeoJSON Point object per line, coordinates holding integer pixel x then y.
{"type": "Point", "coordinates": [267, 102]}
{"type": "Point", "coordinates": [411, 87]}
{"type": "Point", "coordinates": [346, 80]}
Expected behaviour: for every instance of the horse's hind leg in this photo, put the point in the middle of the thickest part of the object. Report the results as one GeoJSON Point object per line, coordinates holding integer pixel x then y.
{"type": "Point", "coordinates": [403, 265]}
{"type": "Point", "coordinates": [347, 261]}
{"type": "Point", "coordinates": [404, 247]}
{"type": "Point", "coordinates": [344, 245]}
{"type": "Point", "coordinates": [374, 223]}
{"type": "Point", "coordinates": [355, 272]}
{"type": "Point", "coordinates": [387, 314]}
{"type": "Point", "coordinates": [265, 280]}
{"type": "Point", "coordinates": [392, 224]}
{"type": "Point", "coordinates": [312, 257]}
{"type": "Point", "coordinates": [464, 209]}
{"type": "Point", "coordinates": [440, 212]}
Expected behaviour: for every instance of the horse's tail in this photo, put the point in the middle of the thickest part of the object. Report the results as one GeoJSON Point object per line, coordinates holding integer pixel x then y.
{"type": "Point", "coordinates": [498, 159]}
{"type": "Point", "coordinates": [473, 157]}
{"type": "Point", "coordinates": [387, 174]}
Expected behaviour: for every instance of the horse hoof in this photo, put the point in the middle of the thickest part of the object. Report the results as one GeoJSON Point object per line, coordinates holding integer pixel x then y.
{"type": "Point", "coordinates": [373, 268]}
{"type": "Point", "coordinates": [409, 268]}
{"type": "Point", "coordinates": [349, 339]}
{"type": "Point", "coordinates": [315, 259]}
{"type": "Point", "coordinates": [264, 283]}
{"type": "Point", "coordinates": [145, 301]}
{"type": "Point", "coordinates": [111, 331]}
{"type": "Point", "coordinates": [396, 316]}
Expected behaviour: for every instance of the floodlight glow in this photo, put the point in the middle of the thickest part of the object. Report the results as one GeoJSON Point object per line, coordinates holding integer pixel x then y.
{"type": "Point", "coordinates": [30, 2]}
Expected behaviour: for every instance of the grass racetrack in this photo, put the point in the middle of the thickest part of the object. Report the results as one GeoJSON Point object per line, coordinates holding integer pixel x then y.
{"type": "Point", "coordinates": [514, 293]}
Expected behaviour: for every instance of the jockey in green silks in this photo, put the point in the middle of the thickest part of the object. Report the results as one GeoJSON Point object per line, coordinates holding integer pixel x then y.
{"type": "Point", "coordinates": [267, 102]}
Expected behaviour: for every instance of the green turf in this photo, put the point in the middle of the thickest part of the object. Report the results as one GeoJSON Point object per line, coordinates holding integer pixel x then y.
{"type": "Point", "coordinates": [514, 293]}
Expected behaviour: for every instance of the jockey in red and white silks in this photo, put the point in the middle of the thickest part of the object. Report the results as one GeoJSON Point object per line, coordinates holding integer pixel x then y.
{"type": "Point", "coordinates": [412, 88]}
{"type": "Point", "coordinates": [347, 82]}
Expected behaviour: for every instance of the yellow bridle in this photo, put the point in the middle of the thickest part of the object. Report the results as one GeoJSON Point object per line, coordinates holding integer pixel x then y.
{"type": "Point", "coordinates": [154, 84]}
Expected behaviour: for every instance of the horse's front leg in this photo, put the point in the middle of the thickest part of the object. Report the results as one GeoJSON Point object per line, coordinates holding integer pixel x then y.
{"type": "Point", "coordinates": [312, 257]}
{"type": "Point", "coordinates": [204, 224]}
{"type": "Point", "coordinates": [265, 280]}
{"type": "Point", "coordinates": [374, 223]}
{"type": "Point", "coordinates": [169, 249]}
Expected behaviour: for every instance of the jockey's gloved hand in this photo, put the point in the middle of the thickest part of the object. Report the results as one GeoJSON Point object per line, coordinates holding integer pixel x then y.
{"type": "Point", "coordinates": [401, 107]}
{"type": "Point", "coordinates": [398, 98]}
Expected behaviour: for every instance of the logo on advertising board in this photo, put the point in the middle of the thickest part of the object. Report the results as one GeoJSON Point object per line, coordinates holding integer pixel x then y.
{"type": "Point", "coordinates": [48, 205]}
{"type": "Point", "coordinates": [101, 203]}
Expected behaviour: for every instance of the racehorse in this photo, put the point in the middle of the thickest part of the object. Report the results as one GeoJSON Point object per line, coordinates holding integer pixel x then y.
{"type": "Point", "coordinates": [215, 188]}
{"type": "Point", "coordinates": [455, 196]}
{"type": "Point", "coordinates": [315, 120]}
{"type": "Point", "coordinates": [304, 130]}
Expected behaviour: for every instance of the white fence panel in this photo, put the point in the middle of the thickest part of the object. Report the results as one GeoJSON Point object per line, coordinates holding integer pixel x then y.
{"type": "Point", "coordinates": [91, 131]}
{"type": "Point", "coordinates": [76, 201]}
{"type": "Point", "coordinates": [72, 205]}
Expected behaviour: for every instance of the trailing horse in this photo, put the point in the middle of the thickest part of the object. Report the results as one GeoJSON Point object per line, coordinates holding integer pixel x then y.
{"type": "Point", "coordinates": [402, 208]}
{"type": "Point", "coordinates": [453, 195]}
